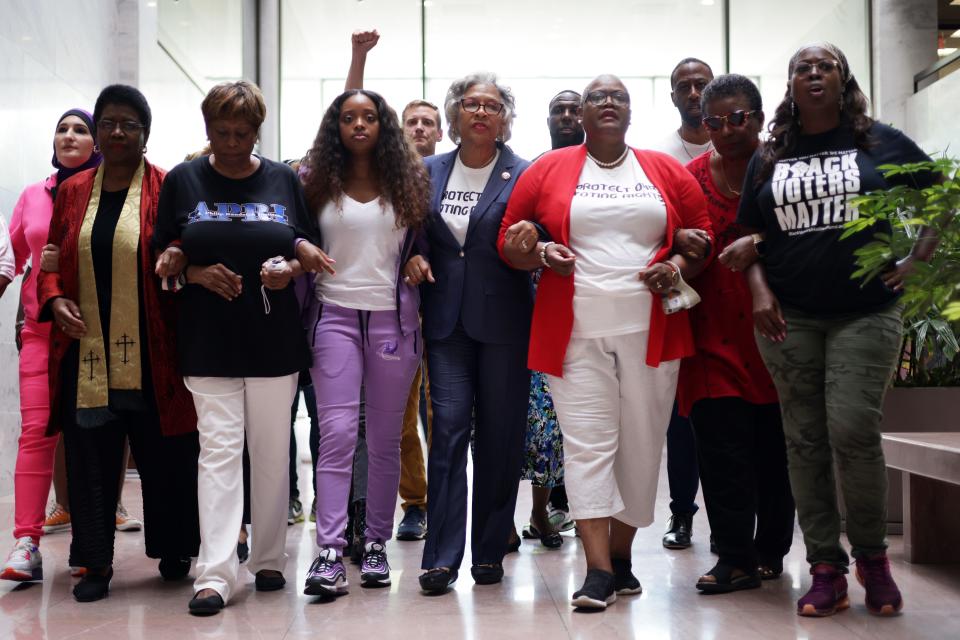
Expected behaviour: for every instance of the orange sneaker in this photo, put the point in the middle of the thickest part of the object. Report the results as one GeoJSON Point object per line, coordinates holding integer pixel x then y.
{"type": "Point", "coordinates": [58, 519]}
{"type": "Point", "coordinates": [125, 521]}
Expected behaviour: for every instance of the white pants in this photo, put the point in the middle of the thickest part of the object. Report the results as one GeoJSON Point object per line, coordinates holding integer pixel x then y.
{"type": "Point", "coordinates": [613, 411]}
{"type": "Point", "coordinates": [226, 407]}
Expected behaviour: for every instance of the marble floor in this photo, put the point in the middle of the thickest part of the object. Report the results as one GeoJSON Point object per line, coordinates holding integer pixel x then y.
{"type": "Point", "coordinates": [532, 601]}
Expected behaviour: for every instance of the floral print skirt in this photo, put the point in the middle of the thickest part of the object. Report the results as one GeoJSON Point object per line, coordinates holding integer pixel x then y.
{"type": "Point", "coordinates": [543, 446]}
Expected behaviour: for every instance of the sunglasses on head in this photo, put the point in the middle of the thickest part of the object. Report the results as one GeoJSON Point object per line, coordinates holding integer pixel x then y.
{"type": "Point", "coordinates": [735, 119]}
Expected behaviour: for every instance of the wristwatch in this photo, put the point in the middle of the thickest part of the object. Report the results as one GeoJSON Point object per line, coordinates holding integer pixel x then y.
{"type": "Point", "coordinates": [759, 244]}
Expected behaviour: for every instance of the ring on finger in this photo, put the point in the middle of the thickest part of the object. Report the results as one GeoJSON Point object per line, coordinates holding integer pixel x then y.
{"type": "Point", "coordinates": [524, 244]}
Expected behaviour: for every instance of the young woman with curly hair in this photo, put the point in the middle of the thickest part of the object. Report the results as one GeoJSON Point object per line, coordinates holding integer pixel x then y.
{"type": "Point", "coordinates": [370, 191]}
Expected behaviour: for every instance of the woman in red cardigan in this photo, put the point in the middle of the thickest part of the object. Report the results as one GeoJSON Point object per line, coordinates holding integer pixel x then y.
{"type": "Point", "coordinates": [112, 354]}
{"type": "Point", "coordinates": [600, 331]}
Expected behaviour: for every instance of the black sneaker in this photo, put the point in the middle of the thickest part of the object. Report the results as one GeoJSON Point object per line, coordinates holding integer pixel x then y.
{"type": "Point", "coordinates": [624, 582]}
{"type": "Point", "coordinates": [413, 526]}
{"type": "Point", "coordinates": [597, 591]}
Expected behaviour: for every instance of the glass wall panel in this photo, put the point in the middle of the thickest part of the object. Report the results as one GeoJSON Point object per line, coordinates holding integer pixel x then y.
{"type": "Point", "coordinates": [315, 57]}
{"type": "Point", "coordinates": [204, 37]}
{"type": "Point", "coordinates": [763, 36]}
{"type": "Point", "coordinates": [539, 49]}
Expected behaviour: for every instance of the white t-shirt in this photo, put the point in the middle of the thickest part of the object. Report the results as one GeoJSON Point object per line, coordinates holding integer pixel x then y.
{"type": "Point", "coordinates": [463, 190]}
{"type": "Point", "coordinates": [7, 262]}
{"type": "Point", "coordinates": [682, 151]}
{"type": "Point", "coordinates": [364, 240]}
{"type": "Point", "coordinates": [617, 223]}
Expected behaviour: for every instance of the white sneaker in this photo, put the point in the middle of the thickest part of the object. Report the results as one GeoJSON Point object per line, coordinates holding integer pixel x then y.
{"type": "Point", "coordinates": [125, 521]}
{"type": "Point", "coordinates": [24, 564]}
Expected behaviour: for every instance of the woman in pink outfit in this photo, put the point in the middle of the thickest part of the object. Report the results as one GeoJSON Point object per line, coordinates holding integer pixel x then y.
{"type": "Point", "coordinates": [73, 151]}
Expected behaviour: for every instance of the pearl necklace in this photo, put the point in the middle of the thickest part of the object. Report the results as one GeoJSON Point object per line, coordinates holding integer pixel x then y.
{"type": "Point", "coordinates": [611, 165]}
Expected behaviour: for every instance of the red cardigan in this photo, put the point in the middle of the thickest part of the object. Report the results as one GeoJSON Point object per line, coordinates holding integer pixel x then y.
{"type": "Point", "coordinates": [174, 402]}
{"type": "Point", "coordinates": [543, 194]}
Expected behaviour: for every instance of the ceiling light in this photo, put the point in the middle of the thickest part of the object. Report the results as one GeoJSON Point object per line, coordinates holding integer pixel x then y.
{"type": "Point", "coordinates": [946, 51]}
{"type": "Point", "coordinates": [955, 34]}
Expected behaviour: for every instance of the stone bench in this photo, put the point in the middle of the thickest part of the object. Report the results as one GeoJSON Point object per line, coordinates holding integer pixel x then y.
{"type": "Point", "coordinates": [930, 463]}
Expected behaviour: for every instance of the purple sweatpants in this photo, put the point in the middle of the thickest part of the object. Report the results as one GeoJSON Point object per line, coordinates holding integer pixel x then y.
{"type": "Point", "coordinates": [350, 348]}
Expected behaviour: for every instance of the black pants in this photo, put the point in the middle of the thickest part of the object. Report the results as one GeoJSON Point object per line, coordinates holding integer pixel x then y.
{"type": "Point", "coordinates": [743, 468]}
{"type": "Point", "coordinates": [168, 480]}
{"type": "Point", "coordinates": [310, 399]}
{"type": "Point", "coordinates": [682, 473]}
{"type": "Point", "coordinates": [490, 382]}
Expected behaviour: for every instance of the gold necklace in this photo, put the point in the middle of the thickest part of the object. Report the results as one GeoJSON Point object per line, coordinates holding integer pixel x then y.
{"type": "Point", "coordinates": [723, 174]}
{"type": "Point", "coordinates": [683, 144]}
{"type": "Point", "coordinates": [611, 165]}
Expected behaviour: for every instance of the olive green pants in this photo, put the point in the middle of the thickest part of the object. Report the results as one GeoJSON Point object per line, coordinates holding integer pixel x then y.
{"type": "Point", "coordinates": [831, 375]}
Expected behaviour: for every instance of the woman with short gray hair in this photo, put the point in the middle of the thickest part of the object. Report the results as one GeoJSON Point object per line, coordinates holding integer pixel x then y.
{"type": "Point", "coordinates": [476, 323]}
{"type": "Point", "coordinates": [456, 93]}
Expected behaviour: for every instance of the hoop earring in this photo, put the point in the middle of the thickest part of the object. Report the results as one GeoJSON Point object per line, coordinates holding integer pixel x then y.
{"type": "Point", "coordinates": [793, 108]}
{"type": "Point", "coordinates": [143, 150]}
{"type": "Point", "coordinates": [96, 148]}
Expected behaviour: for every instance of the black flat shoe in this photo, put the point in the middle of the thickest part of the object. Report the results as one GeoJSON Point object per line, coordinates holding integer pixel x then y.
{"type": "Point", "coordinates": [550, 540]}
{"type": "Point", "coordinates": [269, 580]}
{"type": "Point", "coordinates": [174, 568]}
{"type": "Point", "coordinates": [243, 551]}
{"type": "Point", "coordinates": [437, 580]}
{"type": "Point", "coordinates": [208, 606]}
{"type": "Point", "coordinates": [514, 546]}
{"type": "Point", "coordinates": [92, 587]}
{"type": "Point", "coordinates": [487, 573]}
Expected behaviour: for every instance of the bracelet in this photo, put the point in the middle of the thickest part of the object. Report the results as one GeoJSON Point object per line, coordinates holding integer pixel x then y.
{"type": "Point", "coordinates": [543, 254]}
{"type": "Point", "coordinates": [676, 270]}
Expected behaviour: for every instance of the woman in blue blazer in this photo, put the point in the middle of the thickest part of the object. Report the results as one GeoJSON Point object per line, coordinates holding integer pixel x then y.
{"type": "Point", "coordinates": [476, 323]}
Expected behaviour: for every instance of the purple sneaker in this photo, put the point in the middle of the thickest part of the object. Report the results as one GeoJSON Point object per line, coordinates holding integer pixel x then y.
{"type": "Point", "coordinates": [374, 569]}
{"type": "Point", "coordinates": [883, 596]}
{"type": "Point", "coordinates": [827, 594]}
{"type": "Point", "coordinates": [326, 576]}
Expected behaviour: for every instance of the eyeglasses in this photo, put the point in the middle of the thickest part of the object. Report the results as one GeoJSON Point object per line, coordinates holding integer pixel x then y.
{"type": "Point", "coordinates": [128, 126]}
{"type": "Point", "coordinates": [597, 98]}
{"type": "Point", "coordinates": [734, 119]}
{"type": "Point", "coordinates": [490, 108]}
{"type": "Point", "coordinates": [824, 66]}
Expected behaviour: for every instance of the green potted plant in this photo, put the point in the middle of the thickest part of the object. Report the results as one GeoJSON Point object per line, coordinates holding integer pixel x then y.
{"type": "Point", "coordinates": [931, 297]}
{"type": "Point", "coordinates": [926, 391]}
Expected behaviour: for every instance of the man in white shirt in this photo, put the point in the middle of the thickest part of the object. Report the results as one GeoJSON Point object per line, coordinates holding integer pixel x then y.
{"type": "Point", "coordinates": [687, 142]}
{"type": "Point", "coordinates": [691, 139]}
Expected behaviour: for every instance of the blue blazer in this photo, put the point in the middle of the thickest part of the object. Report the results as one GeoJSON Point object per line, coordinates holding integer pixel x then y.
{"type": "Point", "coordinates": [473, 285]}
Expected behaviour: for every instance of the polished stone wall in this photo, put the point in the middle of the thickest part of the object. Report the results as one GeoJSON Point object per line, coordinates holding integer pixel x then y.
{"type": "Point", "coordinates": [59, 54]}
{"type": "Point", "coordinates": [53, 56]}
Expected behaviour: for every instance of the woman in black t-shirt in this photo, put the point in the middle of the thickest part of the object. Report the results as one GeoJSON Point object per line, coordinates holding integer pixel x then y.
{"type": "Point", "coordinates": [830, 341]}
{"type": "Point", "coordinates": [235, 218]}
